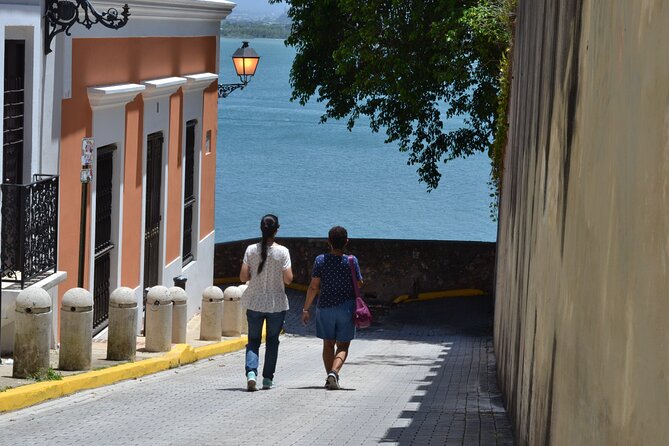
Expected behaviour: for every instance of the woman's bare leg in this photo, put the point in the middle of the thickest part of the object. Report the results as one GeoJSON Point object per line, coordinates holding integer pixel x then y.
{"type": "Point", "coordinates": [340, 356]}
{"type": "Point", "coordinates": [328, 354]}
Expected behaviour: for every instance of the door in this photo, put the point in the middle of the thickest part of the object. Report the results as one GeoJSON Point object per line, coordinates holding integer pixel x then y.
{"type": "Point", "coordinates": [12, 157]}
{"type": "Point", "coordinates": [103, 242]}
{"type": "Point", "coordinates": [153, 207]}
{"type": "Point", "coordinates": [12, 140]}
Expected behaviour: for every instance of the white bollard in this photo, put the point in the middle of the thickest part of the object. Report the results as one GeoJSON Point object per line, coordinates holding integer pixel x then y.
{"type": "Point", "coordinates": [158, 320]}
{"type": "Point", "coordinates": [231, 324]}
{"type": "Point", "coordinates": [179, 314]}
{"type": "Point", "coordinates": [245, 321]}
{"type": "Point", "coordinates": [76, 330]}
{"type": "Point", "coordinates": [122, 337]}
{"type": "Point", "coordinates": [212, 313]}
{"type": "Point", "coordinates": [33, 332]}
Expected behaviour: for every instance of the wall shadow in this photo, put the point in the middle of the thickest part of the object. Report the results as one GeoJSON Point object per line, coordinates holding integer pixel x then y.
{"type": "Point", "coordinates": [459, 401]}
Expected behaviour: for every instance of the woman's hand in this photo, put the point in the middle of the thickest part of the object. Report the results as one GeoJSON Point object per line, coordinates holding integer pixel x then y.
{"type": "Point", "coordinates": [305, 317]}
{"type": "Point", "coordinates": [312, 291]}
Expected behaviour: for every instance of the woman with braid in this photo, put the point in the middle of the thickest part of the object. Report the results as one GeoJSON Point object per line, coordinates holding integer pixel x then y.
{"type": "Point", "coordinates": [266, 267]}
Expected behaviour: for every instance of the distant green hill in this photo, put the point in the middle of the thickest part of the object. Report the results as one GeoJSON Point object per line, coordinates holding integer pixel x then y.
{"type": "Point", "coordinates": [255, 29]}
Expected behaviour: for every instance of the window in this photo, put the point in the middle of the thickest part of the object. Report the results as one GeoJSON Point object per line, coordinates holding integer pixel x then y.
{"type": "Point", "coordinates": [189, 192]}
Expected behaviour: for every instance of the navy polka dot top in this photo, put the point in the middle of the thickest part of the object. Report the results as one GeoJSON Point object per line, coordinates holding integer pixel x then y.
{"type": "Point", "coordinates": [336, 281]}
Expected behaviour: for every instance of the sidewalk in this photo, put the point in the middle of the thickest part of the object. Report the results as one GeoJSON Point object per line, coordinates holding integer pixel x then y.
{"type": "Point", "coordinates": [16, 393]}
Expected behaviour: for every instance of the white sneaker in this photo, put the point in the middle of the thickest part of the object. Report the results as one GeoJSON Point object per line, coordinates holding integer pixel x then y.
{"type": "Point", "coordinates": [332, 381]}
{"type": "Point", "coordinates": [251, 381]}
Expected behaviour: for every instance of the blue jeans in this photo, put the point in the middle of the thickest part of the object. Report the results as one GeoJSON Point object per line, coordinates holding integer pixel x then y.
{"type": "Point", "coordinates": [274, 323]}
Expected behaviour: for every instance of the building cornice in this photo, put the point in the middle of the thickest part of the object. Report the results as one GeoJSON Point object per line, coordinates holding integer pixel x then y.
{"type": "Point", "coordinates": [199, 81]}
{"type": "Point", "coordinates": [157, 88]}
{"type": "Point", "coordinates": [113, 95]}
{"type": "Point", "coordinates": [171, 9]}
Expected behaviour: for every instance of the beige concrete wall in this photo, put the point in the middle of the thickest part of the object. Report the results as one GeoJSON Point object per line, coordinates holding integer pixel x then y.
{"type": "Point", "coordinates": [581, 329]}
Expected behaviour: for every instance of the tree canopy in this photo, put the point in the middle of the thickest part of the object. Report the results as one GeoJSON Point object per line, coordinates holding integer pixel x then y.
{"type": "Point", "coordinates": [408, 65]}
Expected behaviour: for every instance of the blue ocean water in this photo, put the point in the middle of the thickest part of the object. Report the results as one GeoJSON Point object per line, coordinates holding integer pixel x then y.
{"type": "Point", "coordinates": [275, 157]}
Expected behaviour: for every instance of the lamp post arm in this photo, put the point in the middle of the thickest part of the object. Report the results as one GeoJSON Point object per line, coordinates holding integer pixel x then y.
{"type": "Point", "coordinates": [225, 89]}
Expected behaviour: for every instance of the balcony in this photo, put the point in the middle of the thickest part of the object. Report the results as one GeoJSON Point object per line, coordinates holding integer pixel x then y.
{"type": "Point", "coordinates": [29, 231]}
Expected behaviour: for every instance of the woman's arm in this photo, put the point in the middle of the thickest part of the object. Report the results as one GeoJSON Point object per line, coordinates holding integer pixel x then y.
{"type": "Point", "coordinates": [357, 272]}
{"type": "Point", "coordinates": [245, 273]}
{"type": "Point", "coordinates": [312, 291]}
{"type": "Point", "coordinates": [287, 275]}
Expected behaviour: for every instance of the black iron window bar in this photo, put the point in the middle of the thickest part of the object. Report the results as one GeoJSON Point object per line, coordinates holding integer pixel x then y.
{"type": "Point", "coordinates": [61, 15]}
{"type": "Point", "coordinates": [29, 230]}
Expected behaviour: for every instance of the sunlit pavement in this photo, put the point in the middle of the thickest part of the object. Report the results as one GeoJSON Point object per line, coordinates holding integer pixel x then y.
{"type": "Point", "coordinates": [423, 374]}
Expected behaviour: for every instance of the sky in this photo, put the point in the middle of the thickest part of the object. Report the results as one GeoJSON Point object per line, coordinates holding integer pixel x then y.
{"type": "Point", "coordinates": [259, 8]}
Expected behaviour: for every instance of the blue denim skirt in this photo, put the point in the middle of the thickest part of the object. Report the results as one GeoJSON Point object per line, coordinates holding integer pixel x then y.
{"type": "Point", "coordinates": [336, 323]}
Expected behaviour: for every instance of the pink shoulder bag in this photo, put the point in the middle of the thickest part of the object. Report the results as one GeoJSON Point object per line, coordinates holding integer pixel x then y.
{"type": "Point", "coordinates": [362, 317]}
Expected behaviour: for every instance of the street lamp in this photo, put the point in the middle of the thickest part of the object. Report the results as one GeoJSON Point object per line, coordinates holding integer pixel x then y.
{"type": "Point", "coordinates": [245, 60]}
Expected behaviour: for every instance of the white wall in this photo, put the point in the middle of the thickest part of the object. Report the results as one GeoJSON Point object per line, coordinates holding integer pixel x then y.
{"type": "Point", "coordinates": [24, 22]}
{"type": "Point", "coordinates": [200, 274]}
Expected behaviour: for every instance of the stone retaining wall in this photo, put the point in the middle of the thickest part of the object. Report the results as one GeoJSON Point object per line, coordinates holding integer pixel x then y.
{"type": "Point", "coordinates": [390, 267]}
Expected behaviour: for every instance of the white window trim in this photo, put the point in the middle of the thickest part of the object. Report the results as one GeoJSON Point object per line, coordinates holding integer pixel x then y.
{"type": "Point", "coordinates": [157, 119]}
{"type": "Point", "coordinates": [108, 123]}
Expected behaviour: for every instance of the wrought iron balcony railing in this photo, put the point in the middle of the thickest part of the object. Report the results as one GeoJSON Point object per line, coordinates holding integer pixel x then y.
{"type": "Point", "coordinates": [29, 230]}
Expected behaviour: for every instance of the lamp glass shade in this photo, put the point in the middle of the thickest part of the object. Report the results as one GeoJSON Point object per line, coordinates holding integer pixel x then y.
{"type": "Point", "coordinates": [245, 60]}
{"type": "Point", "coordinates": [245, 66]}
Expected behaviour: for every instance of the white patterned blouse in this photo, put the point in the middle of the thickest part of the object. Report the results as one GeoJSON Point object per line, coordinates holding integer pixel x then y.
{"type": "Point", "coordinates": [266, 292]}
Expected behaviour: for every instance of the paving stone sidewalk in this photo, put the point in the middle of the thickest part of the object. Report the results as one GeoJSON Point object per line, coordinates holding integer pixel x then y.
{"type": "Point", "coordinates": [99, 355]}
{"type": "Point", "coordinates": [423, 374]}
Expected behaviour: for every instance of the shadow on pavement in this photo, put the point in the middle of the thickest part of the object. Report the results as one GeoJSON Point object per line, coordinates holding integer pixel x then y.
{"type": "Point", "coordinates": [344, 389]}
{"type": "Point", "coordinates": [471, 316]}
{"type": "Point", "coordinates": [459, 402]}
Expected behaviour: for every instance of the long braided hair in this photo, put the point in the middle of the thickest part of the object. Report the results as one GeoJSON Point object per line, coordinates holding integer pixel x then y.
{"type": "Point", "coordinates": [269, 224]}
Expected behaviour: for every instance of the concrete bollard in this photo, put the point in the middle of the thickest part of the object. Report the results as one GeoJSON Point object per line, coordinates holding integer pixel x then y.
{"type": "Point", "coordinates": [231, 325]}
{"type": "Point", "coordinates": [245, 322]}
{"type": "Point", "coordinates": [180, 281]}
{"type": "Point", "coordinates": [122, 337]}
{"type": "Point", "coordinates": [76, 330]}
{"type": "Point", "coordinates": [32, 335]}
{"type": "Point", "coordinates": [179, 314]}
{"type": "Point", "coordinates": [212, 314]}
{"type": "Point", "coordinates": [158, 320]}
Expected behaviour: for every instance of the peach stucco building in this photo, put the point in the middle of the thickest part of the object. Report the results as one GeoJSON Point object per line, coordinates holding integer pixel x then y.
{"type": "Point", "coordinates": [146, 94]}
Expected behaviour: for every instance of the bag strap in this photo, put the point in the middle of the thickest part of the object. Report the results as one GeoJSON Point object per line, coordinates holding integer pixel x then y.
{"type": "Point", "coordinates": [354, 277]}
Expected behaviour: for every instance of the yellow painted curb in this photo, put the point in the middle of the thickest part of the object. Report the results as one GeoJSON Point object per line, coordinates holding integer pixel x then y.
{"type": "Point", "coordinates": [235, 280]}
{"type": "Point", "coordinates": [24, 396]}
{"type": "Point", "coordinates": [220, 348]}
{"type": "Point", "coordinates": [226, 281]}
{"type": "Point", "coordinates": [297, 286]}
{"type": "Point", "coordinates": [465, 292]}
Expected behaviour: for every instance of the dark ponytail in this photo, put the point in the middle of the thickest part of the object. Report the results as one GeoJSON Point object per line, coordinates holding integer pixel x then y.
{"type": "Point", "coordinates": [269, 224]}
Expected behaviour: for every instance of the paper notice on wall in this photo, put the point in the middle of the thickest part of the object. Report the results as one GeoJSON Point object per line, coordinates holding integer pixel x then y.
{"type": "Point", "coordinates": [87, 145]}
